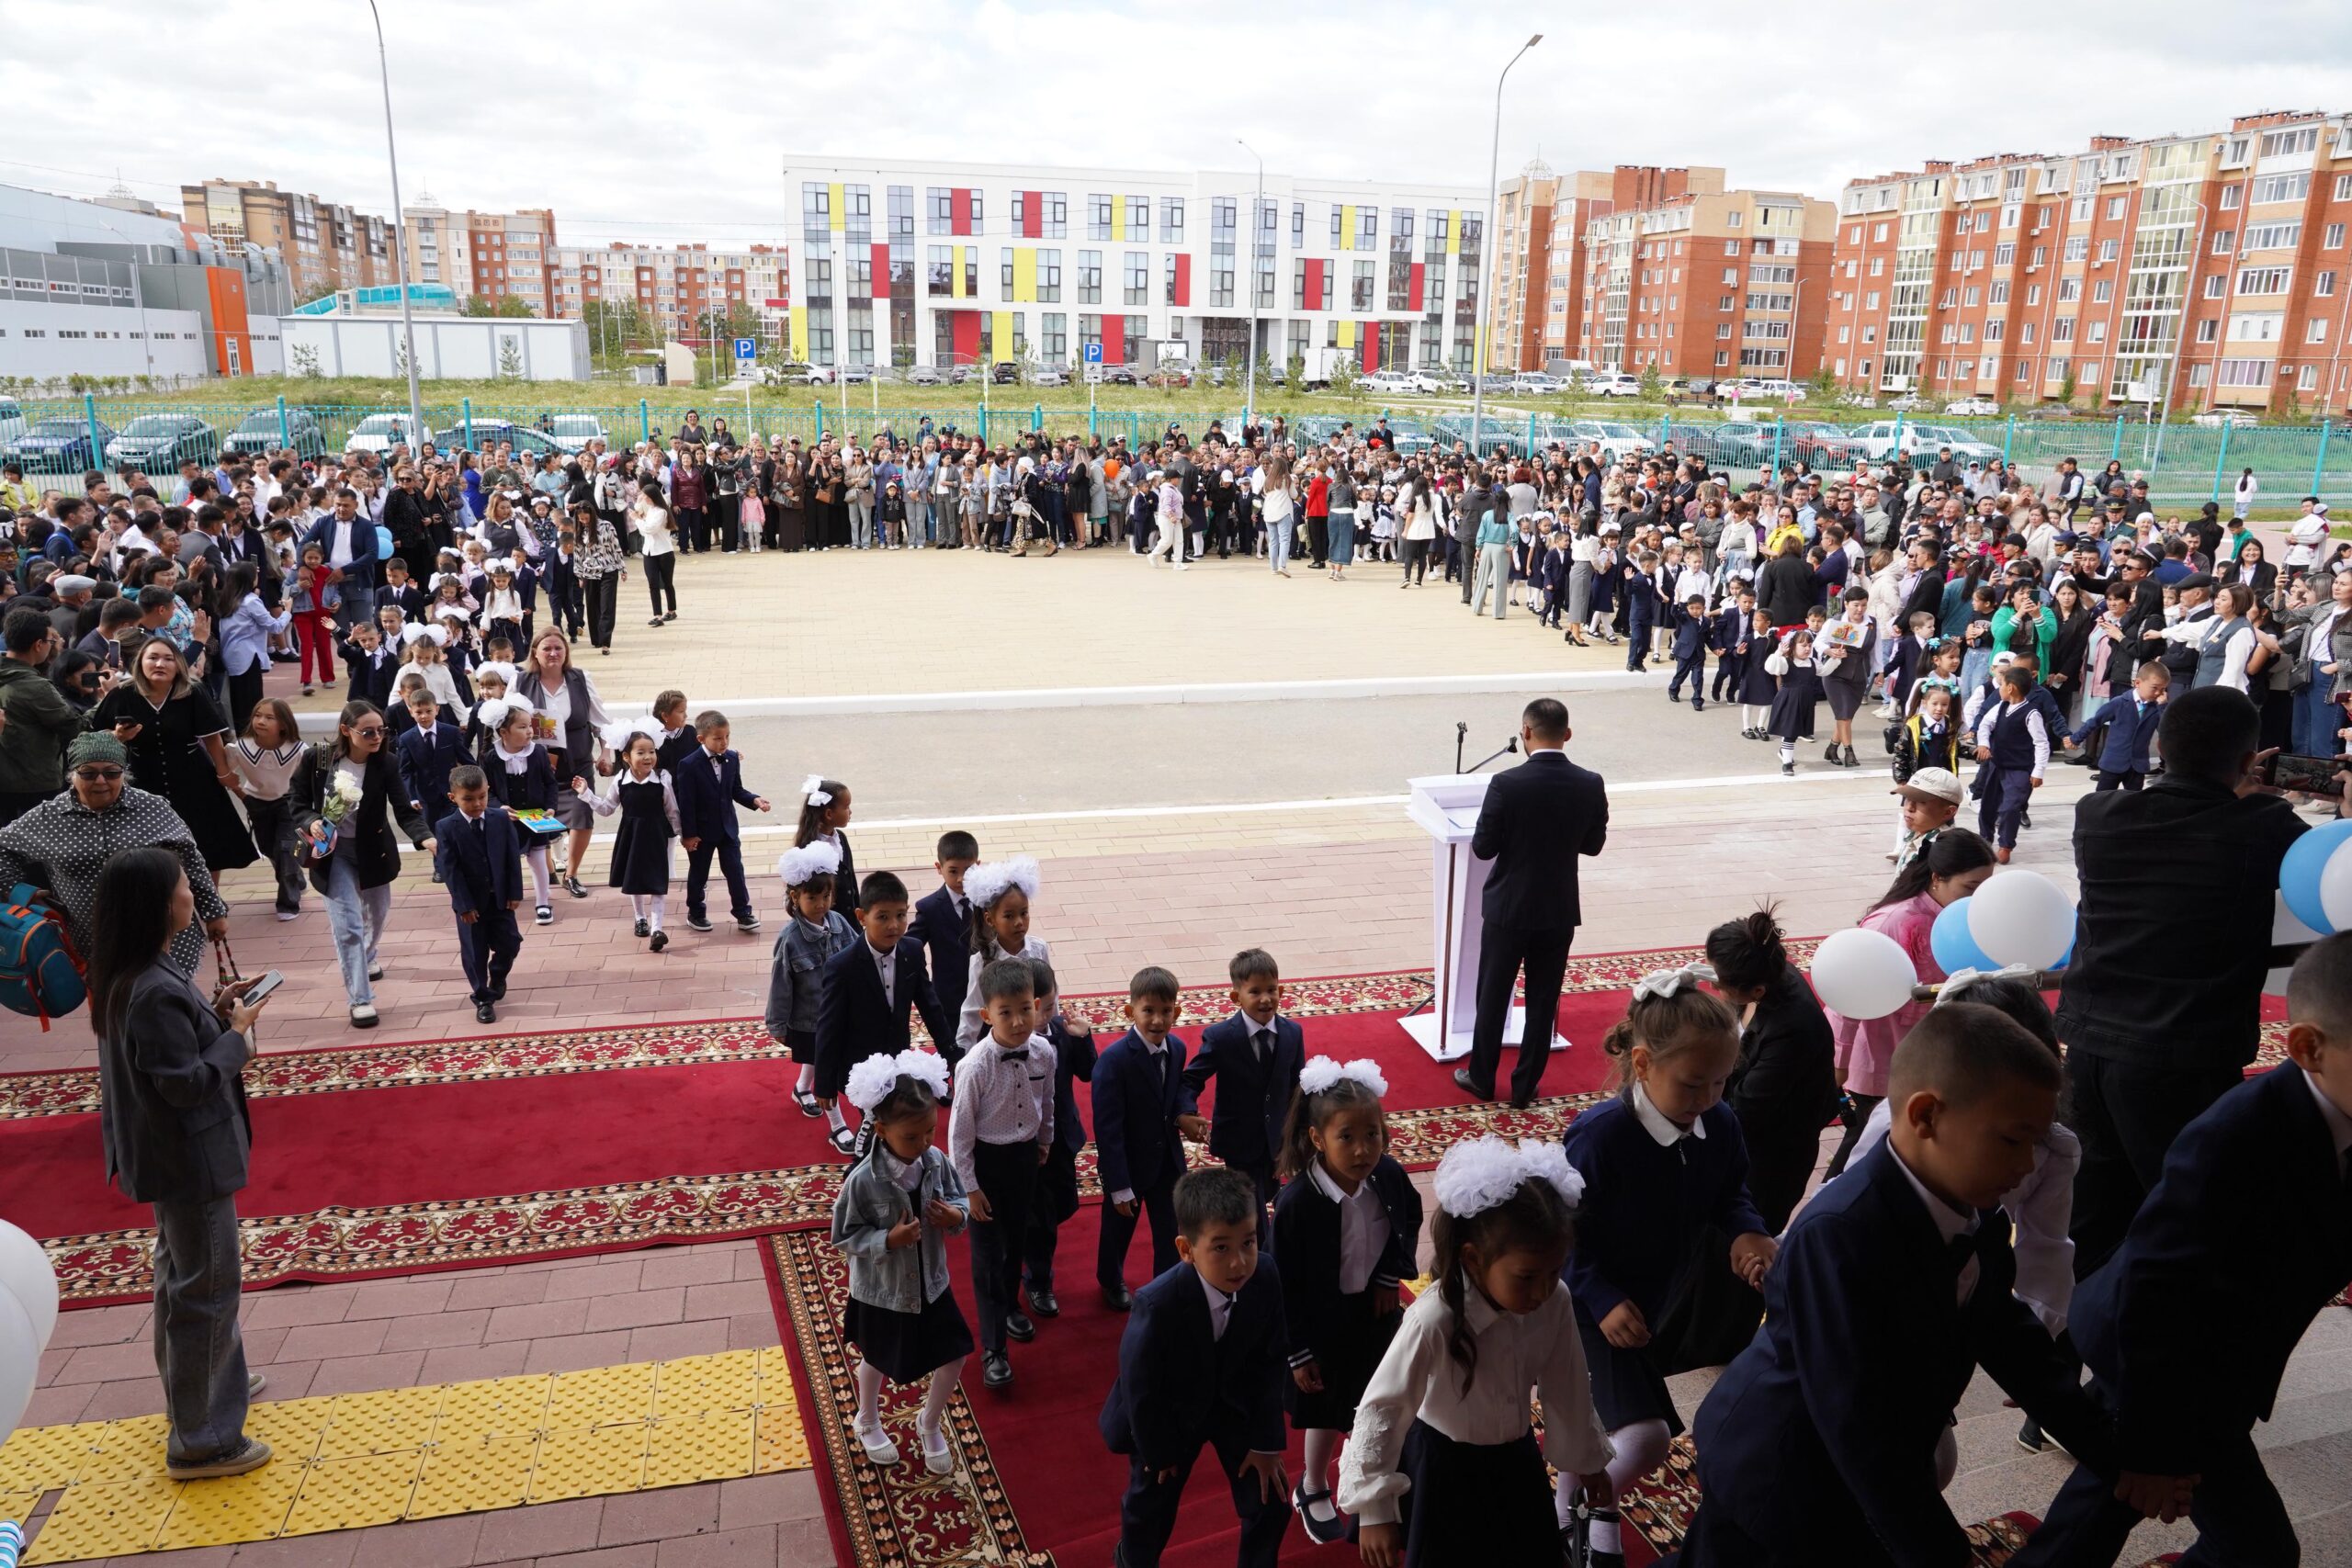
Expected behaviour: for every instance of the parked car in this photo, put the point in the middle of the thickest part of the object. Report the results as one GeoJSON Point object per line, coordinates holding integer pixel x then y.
{"type": "Point", "coordinates": [158, 443]}
{"type": "Point", "coordinates": [1615, 438]}
{"type": "Point", "coordinates": [1735, 443]}
{"type": "Point", "coordinates": [487, 434]}
{"type": "Point", "coordinates": [379, 432]}
{"type": "Point", "coordinates": [1823, 445]}
{"type": "Point", "coordinates": [855, 374]}
{"type": "Point", "coordinates": [924, 376]}
{"type": "Point", "coordinates": [1118, 375]}
{"type": "Point", "coordinates": [58, 446]}
{"type": "Point", "coordinates": [1004, 373]}
{"type": "Point", "coordinates": [2048, 410]}
{"type": "Point", "coordinates": [1910, 402]}
{"type": "Point", "coordinates": [1972, 408]}
{"type": "Point", "coordinates": [12, 420]}
{"type": "Point", "coordinates": [2214, 419]}
{"type": "Point", "coordinates": [1389, 384]}
{"type": "Point", "coordinates": [1878, 441]}
{"type": "Point", "coordinates": [264, 431]}
{"type": "Point", "coordinates": [1613, 384]}
{"type": "Point", "coordinates": [1049, 376]}
{"type": "Point", "coordinates": [1536, 383]}
{"type": "Point", "coordinates": [1775, 390]}
{"type": "Point", "coordinates": [1703, 391]}
{"type": "Point", "coordinates": [572, 431]}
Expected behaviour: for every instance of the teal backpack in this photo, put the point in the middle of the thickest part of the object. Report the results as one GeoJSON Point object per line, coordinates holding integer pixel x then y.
{"type": "Point", "coordinates": [41, 974]}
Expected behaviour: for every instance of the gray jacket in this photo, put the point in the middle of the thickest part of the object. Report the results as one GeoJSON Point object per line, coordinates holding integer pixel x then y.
{"type": "Point", "coordinates": [797, 973]}
{"type": "Point", "coordinates": [869, 1204]}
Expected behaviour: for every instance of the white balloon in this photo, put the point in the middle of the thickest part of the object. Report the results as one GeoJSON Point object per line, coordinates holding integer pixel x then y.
{"type": "Point", "coordinates": [1863, 974]}
{"type": "Point", "coordinates": [19, 1363]}
{"type": "Point", "coordinates": [25, 1274]}
{"type": "Point", "coordinates": [2285, 930]}
{"type": "Point", "coordinates": [2020, 917]}
{"type": "Point", "coordinates": [2336, 888]}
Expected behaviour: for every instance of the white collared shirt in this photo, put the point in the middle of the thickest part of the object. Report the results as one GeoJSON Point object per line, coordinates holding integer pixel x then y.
{"type": "Point", "coordinates": [1002, 1097]}
{"type": "Point", "coordinates": [1220, 1306]}
{"type": "Point", "coordinates": [1251, 1028]}
{"type": "Point", "coordinates": [339, 543]}
{"type": "Point", "coordinates": [1951, 1224]}
{"type": "Point", "coordinates": [2339, 1125]}
{"type": "Point", "coordinates": [1363, 1229]}
{"type": "Point", "coordinates": [1419, 1378]}
{"type": "Point", "coordinates": [1661, 1128]}
{"type": "Point", "coordinates": [882, 962]}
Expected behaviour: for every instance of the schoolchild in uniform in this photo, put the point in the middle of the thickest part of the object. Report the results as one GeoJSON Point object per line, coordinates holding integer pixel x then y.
{"type": "Point", "coordinates": [1751, 658]}
{"type": "Point", "coordinates": [1442, 1470]}
{"type": "Point", "coordinates": [1347, 1233]}
{"type": "Point", "coordinates": [898, 1206]}
{"type": "Point", "coordinates": [1138, 1093]}
{"type": "Point", "coordinates": [1727, 640]}
{"type": "Point", "coordinates": [493, 681]}
{"type": "Point", "coordinates": [648, 814]}
{"type": "Point", "coordinates": [999, 1132]}
{"type": "Point", "coordinates": [1890, 1289]}
{"type": "Point", "coordinates": [1057, 1197]}
{"type": "Point", "coordinates": [824, 813]}
{"type": "Point", "coordinates": [675, 741]}
{"type": "Point", "coordinates": [942, 924]}
{"type": "Point", "coordinates": [1662, 1162]}
{"type": "Point", "coordinates": [2012, 741]}
{"type": "Point", "coordinates": [522, 777]}
{"type": "Point", "coordinates": [871, 989]}
{"type": "Point", "coordinates": [424, 753]}
{"type": "Point", "coordinates": [814, 931]}
{"type": "Point", "coordinates": [999, 894]}
{"type": "Point", "coordinates": [1255, 1058]}
{"type": "Point", "coordinates": [476, 854]}
{"type": "Point", "coordinates": [1795, 698]}
{"type": "Point", "coordinates": [709, 786]}
{"type": "Point", "coordinates": [1689, 649]}
{"type": "Point", "coordinates": [1641, 609]}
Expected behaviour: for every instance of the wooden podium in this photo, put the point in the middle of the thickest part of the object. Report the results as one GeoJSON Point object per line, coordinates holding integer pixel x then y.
{"type": "Point", "coordinates": [1446, 806]}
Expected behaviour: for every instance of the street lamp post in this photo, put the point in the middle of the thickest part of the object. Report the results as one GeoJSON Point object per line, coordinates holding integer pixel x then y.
{"type": "Point", "coordinates": [1493, 165]}
{"type": "Point", "coordinates": [1249, 366]}
{"type": "Point", "coordinates": [400, 242]}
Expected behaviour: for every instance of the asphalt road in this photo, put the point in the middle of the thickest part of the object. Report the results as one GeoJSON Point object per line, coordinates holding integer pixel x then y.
{"type": "Point", "coordinates": [1182, 753]}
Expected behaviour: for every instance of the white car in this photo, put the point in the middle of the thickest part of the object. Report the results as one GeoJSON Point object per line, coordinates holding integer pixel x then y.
{"type": "Point", "coordinates": [1613, 384]}
{"type": "Point", "coordinates": [1433, 381]}
{"type": "Point", "coordinates": [572, 431]}
{"type": "Point", "coordinates": [12, 420]}
{"type": "Point", "coordinates": [1535, 383]}
{"type": "Point", "coordinates": [1390, 383]}
{"type": "Point", "coordinates": [1615, 439]}
{"type": "Point", "coordinates": [379, 432]}
{"type": "Point", "coordinates": [1972, 408]}
{"type": "Point", "coordinates": [1769, 390]}
{"type": "Point", "coordinates": [1878, 442]}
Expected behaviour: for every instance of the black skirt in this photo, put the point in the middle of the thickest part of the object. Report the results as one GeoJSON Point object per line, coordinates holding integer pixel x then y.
{"type": "Point", "coordinates": [1348, 1351]}
{"type": "Point", "coordinates": [641, 846]}
{"type": "Point", "coordinates": [907, 1347]}
{"type": "Point", "coordinates": [803, 1045]}
{"type": "Point", "coordinates": [1792, 716]}
{"type": "Point", "coordinates": [1502, 1487]}
{"type": "Point", "coordinates": [1845, 698]}
{"type": "Point", "coordinates": [1627, 1385]}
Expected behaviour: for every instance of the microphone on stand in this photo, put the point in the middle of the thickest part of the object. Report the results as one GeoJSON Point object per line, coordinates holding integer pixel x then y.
{"type": "Point", "coordinates": [1510, 748]}
{"type": "Point", "coordinates": [1461, 728]}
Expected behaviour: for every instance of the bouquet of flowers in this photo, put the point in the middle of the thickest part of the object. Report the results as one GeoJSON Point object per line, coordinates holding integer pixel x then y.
{"type": "Point", "coordinates": [341, 800]}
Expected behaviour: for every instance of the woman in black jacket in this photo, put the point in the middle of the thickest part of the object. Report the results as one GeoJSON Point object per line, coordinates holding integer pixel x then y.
{"type": "Point", "coordinates": [2070, 643]}
{"type": "Point", "coordinates": [172, 1118]}
{"type": "Point", "coordinates": [2251, 569]}
{"type": "Point", "coordinates": [351, 784]}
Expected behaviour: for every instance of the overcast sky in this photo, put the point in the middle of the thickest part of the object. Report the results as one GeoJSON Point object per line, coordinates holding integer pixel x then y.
{"type": "Point", "coordinates": [669, 121]}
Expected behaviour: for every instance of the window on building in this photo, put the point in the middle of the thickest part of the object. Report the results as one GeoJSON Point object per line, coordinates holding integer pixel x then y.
{"type": "Point", "coordinates": [1360, 288]}
{"type": "Point", "coordinates": [1999, 293]}
{"type": "Point", "coordinates": [2069, 289]}
{"type": "Point", "coordinates": [1053, 337]}
{"type": "Point", "coordinates": [2103, 290]}
{"type": "Point", "coordinates": [1098, 216]}
{"type": "Point", "coordinates": [2316, 331]}
{"type": "Point", "coordinates": [2209, 331]}
{"type": "Point", "coordinates": [2274, 236]}
{"type": "Point", "coordinates": [2323, 284]}
{"type": "Point", "coordinates": [2078, 248]}
{"type": "Point", "coordinates": [2215, 283]}
{"type": "Point", "coordinates": [2335, 240]}
{"type": "Point", "coordinates": [939, 209]}
{"type": "Point", "coordinates": [1172, 220]}
{"type": "Point", "coordinates": [1049, 277]}
{"type": "Point", "coordinates": [1137, 278]}
{"type": "Point", "coordinates": [2225, 241]}
{"type": "Point", "coordinates": [2263, 279]}
{"type": "Point", "coordinates": [2280, 144]}
{"type": "Point", "coordinates": [1057, 215]}
{"type": "Point", "coordinates": [2004, 254]}
{"type": "Point", "coordinates": [2106, 250]}
{"type": "Point", "coordinates": [1138, 219]}
{"type": "Point", "coordinates": [1089, 278]}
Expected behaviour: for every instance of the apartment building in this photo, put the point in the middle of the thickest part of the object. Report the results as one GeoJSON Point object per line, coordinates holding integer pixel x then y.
{"type": "Point", "coordinates": [2210, 270]}
{"type": "Point", "coordinates": [486, 256]}
{"type": "Point", "coordinates": [1537, 316]}
{"type": "Point", "coordinates": [913, 262]}
{"type": "Point", "coordinates": [323, 245]}
{"type": "Point", "coordinates": [1708, 282]}
{"type": "Point", "coordinates": [674, 285]}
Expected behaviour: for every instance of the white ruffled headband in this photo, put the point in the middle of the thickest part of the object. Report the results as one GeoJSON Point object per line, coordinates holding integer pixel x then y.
{"type": "Point", "coordinates": [819, 859]}
{"type": "Point", "coordinates": [871, 1081]}
{"type": "Point", "coordinates": [617, 734]}
{"type": "Point", "coordinates": [990, 880]}
{"type": "Point", "coordinates": [1663, 983]}
{"type": "Point", "coordinates": [494, 713]}
{"type": "Point", "coordinates": [813, 790]}
{"type": "Point", "coordinates": [1322, 1072]}
{"type": "Point", "coordinates": [1479, 1173]}
{"type": "Point", "coordinates": [1961, 979]}
{"type": "Point", "coordinates": [498, 667]}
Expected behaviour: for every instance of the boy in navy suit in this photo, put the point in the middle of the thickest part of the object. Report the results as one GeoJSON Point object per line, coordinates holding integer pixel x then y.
{"type": "Point", "coordinates": [1138, 1094]}
{"type": "Point", "coordinates": [2188, 1328]}
{"type": "Point", "coordinates": [1641, 610]}
{"type": "Point", "coordinates": [708, 784]}
{"type": "Point", "coordinates": [1255, 1057]}
{"type": "Point", "coordinates": [1057, 1198]}
{"type": "Point", "coordinates": [1888, 1292]}
{"type": "Point", "coordinates": [424, 753]}
{"type": "Point", "coordinates": [2130, 718]}
{"type": "Point", "coordinates": [1690, 629]}
{"type": "Point", "coordinates": [1203, 1362]}
{"type": "Point", "coordinates": [399, 591]}
{"type": "Point", "coordinates": [1727, 635]}
{"type": "Point", "coordinates": [870, 986]}
{"type": "Point", "coordinates": [942, 927]}
{"type": "Point", "coordinates": [478, 854]}
{"type": "Point", "coordinates": [371, 664]}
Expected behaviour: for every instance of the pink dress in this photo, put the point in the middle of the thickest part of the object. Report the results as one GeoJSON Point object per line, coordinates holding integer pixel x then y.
{"type": "Point", "coordinates": [1865, 1046]}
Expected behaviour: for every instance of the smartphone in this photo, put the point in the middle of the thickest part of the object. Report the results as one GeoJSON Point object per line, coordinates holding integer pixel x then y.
{"type": "Point", "coordinates": [263, 986]}
{"type": "Point", "coordinates": [2306, 775]}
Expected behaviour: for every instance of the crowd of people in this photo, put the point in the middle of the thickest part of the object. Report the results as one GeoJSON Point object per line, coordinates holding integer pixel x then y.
{"type": "Point", "coordinates": [1992, 624]}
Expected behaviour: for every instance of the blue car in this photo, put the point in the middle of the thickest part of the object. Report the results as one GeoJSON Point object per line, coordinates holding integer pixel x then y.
{"type": "Point", "coordinates": [58, 446]}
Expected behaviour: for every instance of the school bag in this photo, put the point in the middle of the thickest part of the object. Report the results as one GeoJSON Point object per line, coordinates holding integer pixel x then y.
{"type": "Point", "coordinates": [41, 974]}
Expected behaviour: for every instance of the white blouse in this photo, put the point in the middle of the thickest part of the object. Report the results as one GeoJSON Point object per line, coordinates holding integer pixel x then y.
{"type": "Point", "coordinates": [1417, 1377]}
{"type": "Point", "coordinates": [969, 1026]}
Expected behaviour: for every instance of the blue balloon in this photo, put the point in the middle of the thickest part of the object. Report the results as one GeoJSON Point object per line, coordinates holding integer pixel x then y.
{"type": "Point", "coordinates": [1954, 949]}
{"type": "Point", "coordinates": [2298, 874]}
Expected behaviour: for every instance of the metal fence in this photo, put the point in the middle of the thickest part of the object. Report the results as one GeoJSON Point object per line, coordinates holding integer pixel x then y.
{"type": "Point", "coordinates": [2184, 462]}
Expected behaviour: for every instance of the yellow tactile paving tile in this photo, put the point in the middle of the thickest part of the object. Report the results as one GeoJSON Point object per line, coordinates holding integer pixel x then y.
{"type": "Point", "coordinates": [413, 1453]}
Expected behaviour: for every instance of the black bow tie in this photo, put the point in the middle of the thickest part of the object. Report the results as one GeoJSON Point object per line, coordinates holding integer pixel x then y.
{"type": "Point", "coordinates": [1960, 1249]}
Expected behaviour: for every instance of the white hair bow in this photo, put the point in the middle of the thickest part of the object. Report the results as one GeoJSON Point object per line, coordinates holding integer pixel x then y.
{"type": "Point", "coordinates": [1960, 981]}
{"type": "Point", "coordinates": [871, 1080]}
{"type": "Point", "coordinates": [1478, 1173]}
{"type": "Point", "coordinates": [813, 788]}
{"type": "Point", "coordinates": [1322, 1072]}
{"type": "Point", "coordinates": [1665, 982]}
{"type": "Point", "coordinates": [797, 865]}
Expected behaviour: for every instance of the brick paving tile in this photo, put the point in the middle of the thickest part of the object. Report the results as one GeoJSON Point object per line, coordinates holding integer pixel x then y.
{"type": "Point", "coordinates": [635, 1309]}
{"type": "Point", "coordinates": [536, 1320]}
{"type": "Point", "coordinates": [600, 1278]}
{"type": "Point", "coordinates": [544, 1529]}
{"type": "Point", "coordinates": [470, 1363]}
{"type": "Point", "coordinates": [769, 1499]}
{"type": "Point", "coordinates": [419, 1543]}
{"type": "Point", "coordinates": [659, 1516]}
{"type": "Point", "coordinates": [637, 1555]}
{"type": "Point", "coordinates": [366, 1374]}
{"type": "Point", "coordinates": [690, 1266]}
{"type": "Point", "coordinates": [323, 1340]}
{"type": "Point", "coordinates": [753, 1547]}
{"type": "Point", "coordinates": [666, 1341]}
{"type": "Point", "coordinates": [439, 1330]}
{"type": "Point", "coordinates": [577, 1352]}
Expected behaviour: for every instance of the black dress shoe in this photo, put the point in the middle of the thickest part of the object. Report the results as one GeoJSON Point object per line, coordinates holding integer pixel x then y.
{"type": "Point", "coordinates": [996, 1369]}
{"type": "Point", "coordinates": [485, 1013]}
{"type": "Point", "coordinates": [1117, 1298]}
{"type": "Point", "coordinates": [1521, 1102]}
{"type": "Point", "coordinates": [1462, 1081]}
{"type": "Point", "coordinates": [1018, 1328]}
{"type": "Point", "coordinates": [1043, 1304]}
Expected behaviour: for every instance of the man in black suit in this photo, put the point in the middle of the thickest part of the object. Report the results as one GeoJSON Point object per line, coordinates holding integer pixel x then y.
{"type": "Point", "coordinates": [477, 854]}
{"type": "Point", "coordinates": [1536, 821]}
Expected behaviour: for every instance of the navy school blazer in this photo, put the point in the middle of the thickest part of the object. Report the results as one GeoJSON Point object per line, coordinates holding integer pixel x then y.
{"type": "Point", "coordinates": [535, 786]}
{"type": "Point", "coordinates": [1725, 629]}
{"type": "Point", "coordinates": [1822, 1428]}
{"type": "Point", "coordinates": [855, 1021]}
{"type": "Point", "coordinates": [425, 758]}
{"type": "Point", "coordinates": [1179, 1385]}
{"type": "Point", "coordinates": [946, 941]}
{"type": "Point", "coordinates": [1074, 1061]}
{"type": "Point", "coordinates": [1252, 1103]}
{"type": "Point", "coordinates": [482, 870]}
{"type": "Point", "coordinates": [1135, 1144]}
{"type": "Point", "coordinates": [1644, 1204]}
{"type": "Point", "coordinates": [1307, 1249]}
{"type": "Point", "coordinates": [707, 801]}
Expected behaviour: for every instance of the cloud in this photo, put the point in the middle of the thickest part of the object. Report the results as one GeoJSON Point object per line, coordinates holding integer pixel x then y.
{"type": "Point", "coordinates": [671, 123]}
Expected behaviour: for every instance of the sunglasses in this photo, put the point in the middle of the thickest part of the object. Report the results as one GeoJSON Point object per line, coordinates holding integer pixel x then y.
{"type": "Point", "coordinates": [97, 775]}
{"type": "Point", "coordinates": [368, 732]}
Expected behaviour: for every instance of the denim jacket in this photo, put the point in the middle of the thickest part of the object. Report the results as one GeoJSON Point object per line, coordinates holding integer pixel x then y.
{"type": "Point", "coordinates": [871, 1201]}
{"type": "Point", "coordinates": [797, 974]}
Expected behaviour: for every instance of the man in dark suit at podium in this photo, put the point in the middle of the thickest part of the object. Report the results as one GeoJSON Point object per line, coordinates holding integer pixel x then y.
{"type": "Point", "coordinates": [1536, 820]}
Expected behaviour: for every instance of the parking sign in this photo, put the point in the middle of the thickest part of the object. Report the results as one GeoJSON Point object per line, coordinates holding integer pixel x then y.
{"type": "Point", "coordinates": [747, 348]}
{"type": "Point", "coordinates": [1094, 353]}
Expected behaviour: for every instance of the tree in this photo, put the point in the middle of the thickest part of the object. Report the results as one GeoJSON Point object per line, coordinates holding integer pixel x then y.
{"type": "Point", "coordinates": [614, 325]}
{"type": "Point", "coordinates": [313, 293]}
{"type": "Point", "coordinates": [1653, 387]}
{"type": "Point", "coordinates": [509, 306]}
{"type": "Point", "coordinates": [2066, 387]}
{"type": "Point", "coordinates": [1825, 386]}
{"type": "Point", "coordinates": [1296, 371]}
{"type": "Point", "coordinates": [510, 355]}
{"type": "Point", "coordinates": [306, 360]}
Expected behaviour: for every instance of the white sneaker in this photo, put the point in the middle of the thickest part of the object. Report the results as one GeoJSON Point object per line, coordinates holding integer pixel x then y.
{"type": "Point", "coordinates": [937, 1457]}
{"type": "Point", "coordinates": [878, 1445]}
{"type": "Point", "coordinates": [1181, 566]}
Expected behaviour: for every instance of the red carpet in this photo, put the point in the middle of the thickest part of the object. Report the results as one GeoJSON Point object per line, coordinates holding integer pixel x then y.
{"type": "Point", "coordinates": [510, 1163]}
